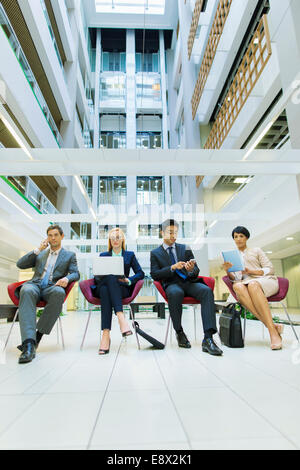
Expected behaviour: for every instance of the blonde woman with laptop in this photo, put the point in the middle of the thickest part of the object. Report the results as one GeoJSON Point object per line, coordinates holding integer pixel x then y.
{"type": "Point", "coordinates": [255, 284]}
{"type": "Point", "coordinates": [111, 289]}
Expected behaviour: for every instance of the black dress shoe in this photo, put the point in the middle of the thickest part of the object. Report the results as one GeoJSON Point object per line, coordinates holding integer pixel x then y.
{"type": "Point", "coordinates": [182, 340]}
{"type": "Point", "coordinates": [28, 353]}
{"type": "Point", "coordinates": [209, 346]}
{"type": "Point", "coordinates": [20, 347]}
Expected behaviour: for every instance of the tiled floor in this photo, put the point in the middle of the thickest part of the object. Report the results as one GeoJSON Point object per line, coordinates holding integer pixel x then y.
{"type": "Point", "coordinates": [130, 399]}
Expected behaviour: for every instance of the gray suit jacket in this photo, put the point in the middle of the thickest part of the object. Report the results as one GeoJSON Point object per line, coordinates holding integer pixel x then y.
{"type": "Point", "coordinates": [65, 266]}
{"type": "Point", "coordinates": [161, 265]}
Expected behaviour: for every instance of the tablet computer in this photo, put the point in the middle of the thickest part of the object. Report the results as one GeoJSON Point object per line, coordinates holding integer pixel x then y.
{"type": "Point", "coordinates": [234, 257]}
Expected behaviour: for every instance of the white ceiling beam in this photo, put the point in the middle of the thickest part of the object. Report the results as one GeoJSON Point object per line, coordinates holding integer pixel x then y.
{"type": "Point", "coordinates": [123, 162]}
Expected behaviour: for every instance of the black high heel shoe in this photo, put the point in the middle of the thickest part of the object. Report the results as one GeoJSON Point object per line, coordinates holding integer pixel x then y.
{"type": "Point", "coordinates": [104, 351]}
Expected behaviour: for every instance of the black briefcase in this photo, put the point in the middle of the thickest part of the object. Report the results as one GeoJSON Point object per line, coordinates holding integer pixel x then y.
{"type": "Point", "coordinates": [231, 334]}
{"type": "Point", "coordinates": [157, 344]}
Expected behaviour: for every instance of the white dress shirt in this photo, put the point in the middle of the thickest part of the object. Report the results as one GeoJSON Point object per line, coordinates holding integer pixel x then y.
{"type": "Point", "coordinates": [53, 255]}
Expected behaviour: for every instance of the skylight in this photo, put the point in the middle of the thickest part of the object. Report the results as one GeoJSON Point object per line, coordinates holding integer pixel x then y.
{"type": "Point", "coordinates": [139, 7]}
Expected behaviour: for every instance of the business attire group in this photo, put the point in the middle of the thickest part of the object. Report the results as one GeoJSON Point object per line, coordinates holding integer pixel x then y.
{"type": "Point", "coordinates": [173, 264]}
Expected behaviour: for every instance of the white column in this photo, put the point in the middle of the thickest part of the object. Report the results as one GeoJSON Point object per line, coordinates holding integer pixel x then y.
{"type": "Point", "coordinates": [285, 33]}
{"type": "Point", "coordinates": [163, 89]}
{"type": "Point", "coordinates": [64, 203]}
{"type": "Point", "coordinates": [67, 128]}
{"type": "Point", "coordinates": [95, 207]}
{"type": "Point", "coordinates": [97, 88]}
{"type": "Point", "coordinates": [192, 131]}
{"type": "Point", "coordinates": [130, 90]}
{"type": "Point", "coordinates": [131, 213]}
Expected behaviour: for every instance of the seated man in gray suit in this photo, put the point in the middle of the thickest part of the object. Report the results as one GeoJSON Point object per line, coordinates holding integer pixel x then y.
{"type": "Point", "coordinates": [174, 266]}
{"type": "Point", "coordinates": [54, 268]}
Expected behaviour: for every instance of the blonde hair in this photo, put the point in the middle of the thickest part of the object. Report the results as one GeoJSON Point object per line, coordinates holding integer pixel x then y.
{"type": "Point", "coordinates": [120, 231]}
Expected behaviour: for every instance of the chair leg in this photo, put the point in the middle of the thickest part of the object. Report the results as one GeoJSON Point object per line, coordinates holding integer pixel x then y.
{"type": "Point", "coordinates": [167, 332]}
{"type": "Point", "coordinates": [10, 330]}
{"type": "Point", "coordinates": [61, 332]}
{"type": "Point", "coordinates": [86, 327]}
{"type": "Point", "coordinates": [290, 321]}
{"type": "Point", "coordinates": [134, 327]}
{"type": "Point", "coordinates": [195, 322]}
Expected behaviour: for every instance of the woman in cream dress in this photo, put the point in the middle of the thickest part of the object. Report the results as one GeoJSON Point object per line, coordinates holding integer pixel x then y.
{"type": "Point", "coordinates": [257, 282]}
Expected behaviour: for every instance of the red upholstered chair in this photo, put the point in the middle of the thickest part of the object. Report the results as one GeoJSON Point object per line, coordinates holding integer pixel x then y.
{"type": "Point", "coordinates": [209, 281]}
{"type": "Point", "coordinates": [279, 297]}
{"type": "Point", "coordinates": [85, 287]}
{"type": "Point", "coordinates": [11, 292]}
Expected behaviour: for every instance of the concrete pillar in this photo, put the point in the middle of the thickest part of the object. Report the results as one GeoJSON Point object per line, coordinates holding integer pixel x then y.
{"type": "Point", "coordinates": [130, 90]}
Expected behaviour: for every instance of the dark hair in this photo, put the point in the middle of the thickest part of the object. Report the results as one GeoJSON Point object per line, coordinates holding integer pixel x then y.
{"type": "Point", "coordinates": [242, 230]}
{"type": "Point", "coordinates": [55, 227]}
{"type": "Point", "coordinates": [169, 223]}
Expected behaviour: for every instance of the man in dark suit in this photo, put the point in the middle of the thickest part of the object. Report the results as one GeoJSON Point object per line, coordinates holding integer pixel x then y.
{"type": "Point", "coordinates": [174, 265]}
{"type": "Point", "coordinates": [54, 268]}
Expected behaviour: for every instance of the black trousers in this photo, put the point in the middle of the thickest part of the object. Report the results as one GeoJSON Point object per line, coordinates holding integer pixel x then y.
{"type": "Point", "coordinates": [111, 292]}
{"type": "Point", "coordinates": [177, 291]}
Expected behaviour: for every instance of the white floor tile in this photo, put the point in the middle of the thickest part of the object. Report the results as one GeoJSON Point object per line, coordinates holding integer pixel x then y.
{"type": "Point", "coordinates": [214, 413]}
{"type": "Point", "coordinates": [137, 417]}
{"type": "Point", "coordinates": [171, 399]}
{"type": "Point", "coordinates": [149, 446]}
{"type": "Point", "coordinates": [245, 444]}
{"type": "Point", "coordinates": [11, 407]}
{"type": "Point", "coordinates": [64, 420]}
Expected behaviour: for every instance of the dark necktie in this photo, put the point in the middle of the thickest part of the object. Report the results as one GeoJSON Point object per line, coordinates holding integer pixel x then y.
{"type": "Point", "coordinates": [171, 254]}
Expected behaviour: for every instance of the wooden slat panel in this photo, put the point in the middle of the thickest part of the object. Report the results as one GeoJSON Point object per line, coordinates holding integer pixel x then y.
{"type": "Point", "coordinates": [194, 26]}
{"type": "Point", "coordinates": [251, 68]}
{"type": "Point", "coordinates": [210, 51]}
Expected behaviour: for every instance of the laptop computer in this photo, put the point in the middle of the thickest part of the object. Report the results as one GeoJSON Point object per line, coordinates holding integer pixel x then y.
{"type": "Point", "coordinates": [105, 265]}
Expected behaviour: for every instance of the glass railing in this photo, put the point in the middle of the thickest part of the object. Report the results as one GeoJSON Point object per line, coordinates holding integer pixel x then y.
{"type": "Point", "coordinates": [16, 46]}
{"type": "Point", "coordinates": [52, 35]}
{"type": "Point", "coordinates": [32, 193]}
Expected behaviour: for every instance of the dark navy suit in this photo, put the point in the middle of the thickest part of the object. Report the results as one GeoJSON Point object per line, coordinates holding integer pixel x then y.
{"type": "Point", "coordinates": [111, 291]}
{"type": "Point", "coordinates": [177, 288]}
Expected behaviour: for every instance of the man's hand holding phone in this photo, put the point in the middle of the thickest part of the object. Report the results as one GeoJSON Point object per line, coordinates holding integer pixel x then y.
{"type": "Point", "coordinates": [44, 244]}
{"type": "Point", "coordinates": [189, 265]}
